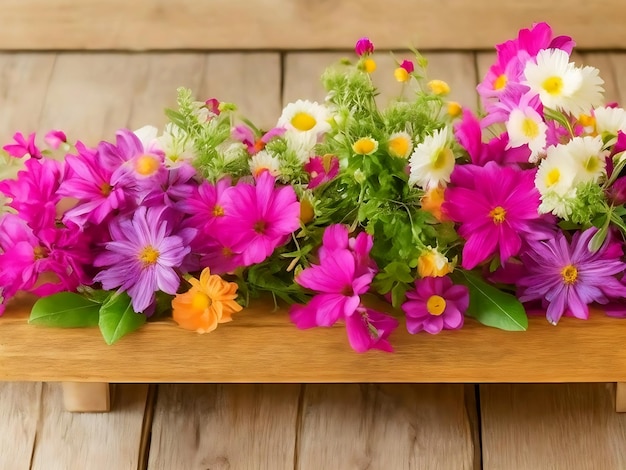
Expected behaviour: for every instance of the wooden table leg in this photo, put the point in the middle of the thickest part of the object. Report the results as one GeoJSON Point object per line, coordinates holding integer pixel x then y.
{"type": "Point", "coordinates": [620, 397]}
{"type": "Point", "coordinates": [87, 397]}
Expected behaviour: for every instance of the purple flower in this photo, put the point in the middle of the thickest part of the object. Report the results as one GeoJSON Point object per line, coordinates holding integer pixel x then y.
{"type": "Point", "coordinates": [321, 170]}
{"type": "Point", "coordinates": [364, 47]}
{"type": "Point", "coordinates": [259, 218]}
{"type": "Point", "coordinates": [143, 255]}
{"type": "Point", "coordinates": [497, 208]}
{"type": "Point", "coordinates": [568, 276]}
{"type": "Point", "coordinates": [436, 304]}
{"type": "Point", "coordinates": [23, 147]}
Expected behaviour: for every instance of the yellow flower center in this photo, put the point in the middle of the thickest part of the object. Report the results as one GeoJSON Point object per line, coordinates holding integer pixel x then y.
{"type": "Point", "coordinates": [399, 146]}
{"type": "Point", "coordinates": [365, 146]}
{"type": "Point", "coordinates": [303, 121]}
{"type": "Point", "coordinates": [218, 211]}
{"type": "Point", "coordinates": [569, 274]}
{"type": "Point", "coordinates": [553, 85]}
{"type": "Point", "coordinates": [553, 177]}
{"type": "Point", "coordinates": [40, 252]}
{"type": "Point", "coordinates": [369, 65]}
{"type": "Point", "coordinates": [401, 74]}
{"type": "Point", "coordinates": [530, 128]}
{"type": "Point", "coordinates": [442, 158]}
{"type": "Point", "coordinates": [586, 120]}
{"type": "Point", "coordinates": [105, 189]}
{"type": "Point", "coordinates": [147, 165]}
{"type": "Point", "coordinates": [500, 82]}
{"type": "Point", "coordinates": [436, 305]}
{"type": "Point", "coordinates": [148, 255]}
{"type": "Point", "coordinates": [200, 301]}
{"type": "Point", "coordinates": [498, 214]}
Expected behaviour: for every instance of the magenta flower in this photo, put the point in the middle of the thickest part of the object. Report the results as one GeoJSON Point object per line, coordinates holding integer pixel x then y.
{"type": "Point", "coordinates": [23, 147]}
{"type": "Point", "coordinates": [321, 170]}
{"type": "Point", "coordinates": [91, 183]}
{"type": "Point", "coordinates": [253, 143]}
{"type": "Point", "coordinates": [260, 217]}
{"type": "Point", "coordinates": [436, 304]}
{"type": "Point", "coordinates": [408, 66]}
{"type": "Point", "coordinates": [213, 105]}
{"type": "Point", "coordinates": [218, 253]}
{"type": "Point", "coordinates": [568, 277]}
{"type": "Point", "coordinates": [369, 329]}
{"type": "Point", "coordinates": [143, 256]}
{"type": "Point", "coordinates": [205, 206]}
{"type": "Point", "coordinates": [364, 47]}
{"type": "Point", "coordinates": [497, 208]}
{"type": "Point", "coordinates": [55, 139]}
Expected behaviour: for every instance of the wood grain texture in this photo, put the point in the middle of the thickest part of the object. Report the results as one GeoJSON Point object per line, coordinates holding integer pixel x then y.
{"type": "Point", "coordinates": [298, 24]}
{"type": "Point", "coordinates": [560, 427]}
{"type": "Point", "coordinates": [88, 397]}
{"type": "Point", "coordinates": [385, 426]}
{"type": "Point", "coordinates": [20, 405]}
{"type": "Point", "coordinates": [260, 346]}
{"type": "Point", "coordinates": [222, 427]}
{"type": "Point", "coordinates": [90, 440]}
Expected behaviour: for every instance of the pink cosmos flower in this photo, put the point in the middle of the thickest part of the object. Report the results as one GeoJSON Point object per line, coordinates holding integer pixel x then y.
{"type": "Point", "coordinates": [254, 144]}
{"type": "Point", "coordinates": [218, 253]}
{"type": "Point", "coordinates": [497, 208]}
{"type": "Point", "coordinates": [260, 217]}
{"type": "Point", "coordinates": [23, 147]}
{"type": "Point", "coordinates": [55, 139]}
{"type": "Point", "coordinates": [35, 191]}
{"type": "Point", "coordinates": [91, 183]}
{"type": "Point", "coordinates": [143, 255]}
{"type": "Point", "coordinates": [568, 277]}
{"type": "Point", "coordinates": [436, 304]}
{"type": "Point", "coordinates": [364, 47]}
{"type": "Point", "coordinates": [469, 134]}
{"type": "Point", "coordinates": [321, 170]}
{"type": "Point", "coordinates": [408, 66]}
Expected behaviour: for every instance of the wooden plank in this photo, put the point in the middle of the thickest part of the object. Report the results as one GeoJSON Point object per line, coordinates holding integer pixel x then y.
{"type": "Point", "coordinates": [287, 24]}
{"type": "Point", "coordinates": [99, 440]}
{"type": "Point", "coordinates": [561, 427]}
{"type": "Point", "coordinates": [86, 396]}
{"type": "Point", "coordinates": [24, 81]}
{"type": "Point", "coordinates": [19, 413]}
{"type": "Point", "coordinates": [224, 426]}
{"type": "Point", "coordinates": [385, 426]}
{"type": "Point", "coordinates": [251, 81]}
{"type": "Point", "coordinates": [259, 347]}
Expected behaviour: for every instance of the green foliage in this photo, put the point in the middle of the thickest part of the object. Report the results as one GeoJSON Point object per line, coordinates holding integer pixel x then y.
{"type": "Point", "coordinates": [117, 318]}
{"type": "Point", "coordinates": [65, 310]}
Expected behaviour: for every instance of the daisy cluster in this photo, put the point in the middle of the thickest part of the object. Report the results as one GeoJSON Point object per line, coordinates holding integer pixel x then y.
{"type": "Point", "coordinates": [338, 200]}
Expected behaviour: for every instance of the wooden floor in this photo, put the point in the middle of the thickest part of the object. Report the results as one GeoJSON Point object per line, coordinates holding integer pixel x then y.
{"type": "Point", "coordinates": [275, 427]}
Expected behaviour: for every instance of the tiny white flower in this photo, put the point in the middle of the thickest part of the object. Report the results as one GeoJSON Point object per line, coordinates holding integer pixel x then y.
{"type": "Point", "coordinates": [610, 120]}
{"type": "Point", "coordinates": [556, 174]}
{"type": "Point", "coordinates": [432, 161]}
{"type": "Point", "coordinates": [301, 143]}
{"type": "Point", "coordinates": [587, 157]}
{"type": "Point", "coordinates": [526, 126]}
{"type": "Point", "coordinates": [559, 205]}
{"type": "Point", "coordinates": [262, 161]}
{"type": "Point", "coordinates": [176, 145]}
{"type": "Point", "coordinates": [305, 116]}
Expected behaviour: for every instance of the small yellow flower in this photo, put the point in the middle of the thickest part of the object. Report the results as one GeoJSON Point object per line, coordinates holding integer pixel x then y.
{"type": "Point", "coordinates": [431, 263]}
{"type": "Point", "coordinates": [454, 109]}
{"type": "Point", "coordinates": [401, 75]}
{"type": "Point", "coordinates": [432, 202]}
{"type": "Point", "coordinates": [307, 213]}
{"type": "Point", "coordinates": [369, 65]}
{"type": "Point", "coordinates": [439, 87]}
{"type": "Point", "coordinates": [400, 145]}
{"type": "Point", "coordinates": [365, 146]}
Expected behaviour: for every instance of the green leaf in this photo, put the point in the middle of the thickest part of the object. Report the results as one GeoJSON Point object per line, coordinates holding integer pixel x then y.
{"type": "Point", "coordinates": [64, 310]}
{"type": "Point", "coordinates": [117, 318]}
{"type": "Point", "coordinates": [491, 306]}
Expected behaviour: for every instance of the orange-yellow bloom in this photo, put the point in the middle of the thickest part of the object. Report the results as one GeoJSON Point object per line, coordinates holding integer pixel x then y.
{"type": "Point", "coordinates": [432, 201]}
{"type": "Point", "coordinates": [209, 301]}
{"type": "Point", "coordinates": [431, 263]}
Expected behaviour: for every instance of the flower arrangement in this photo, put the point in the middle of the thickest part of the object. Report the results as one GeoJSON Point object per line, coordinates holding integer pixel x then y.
{"type": "Point", "coordinates": [408, 200]}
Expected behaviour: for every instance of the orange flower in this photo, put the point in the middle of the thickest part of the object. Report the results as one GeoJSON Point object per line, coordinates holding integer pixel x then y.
{"type": "Point", "coordinates": [209, 301]}
{"type": "Point", "coordinates": [431, 263]}
{"type": "Point", "coordinates": [432, 201]}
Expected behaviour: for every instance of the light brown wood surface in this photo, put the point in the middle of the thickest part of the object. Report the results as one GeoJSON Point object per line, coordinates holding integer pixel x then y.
{"type": "Point", "coordinates": [248, 427]}
{"type": "Point", "coordinates": [298, 24]}
{"type": "Point", "coordinates": [87, 396]}
{"type": "Point", "coordinates": [19, 415]}
{"type": "Point", "coordinates": [399, 426]}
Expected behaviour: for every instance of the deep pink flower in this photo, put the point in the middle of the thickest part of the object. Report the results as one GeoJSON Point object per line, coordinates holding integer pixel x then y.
{"type": "Point", "coordinates": [568, 276]}
{"type": "Point", "coordinates": [363, 47]}
{"type": "Point", "coordinates": [217, 252]}
{"type": "Point", "coordinates": [254, 144]}
{"type": "Point", "coordinates": [369, 329]}
{"type": "Point", "coordinates": [213, 105]}
{"type": "Point", "coordinates": [55, 139]}
{"type": "Point", "coordinates": [497, 208]}
{"type": "Point", "coordinates": [143, 255]}
{"type": "Point", "coordinates": [23, 147]}
{"type": "Point", "coordinates": [408, 66]}
{"type": "Point", "coordinates": [321, 170]}
{"type": "Point", "coordinates": [205, 206]}
{"type": "Point", "coordinates": [260, 217]}
{"type": "Point", "coordinates": [436, 304]}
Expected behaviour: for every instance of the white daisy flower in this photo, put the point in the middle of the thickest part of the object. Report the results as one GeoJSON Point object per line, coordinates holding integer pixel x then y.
{"type": "Point", "coordinates": [262, 161]}
{"type": "Point", "coordinates": [610, 120]}
{"type": "Point", "coordinates": [432, 161]}
{"type": "Point", "coordinates": [559, 205]}
{"type": "Point", "coordinates": [555, 175]}
{"type": "Point", "coordinates": [301, 143]}
{"type": "Point", "coordinates": [588, 158]}
{"type": "Point", "coordinates": [526, 126]}
{"type": "Point", "coordinates": [561, 85]}
{"type": "Point", "coordinates": [305, 116]}
{"type": "Point", "coordinates": [400, 145]}
{"type": "Point", "coordinates": [176, 145]}
{"type": "Point", "coordinates": [231, 151]}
